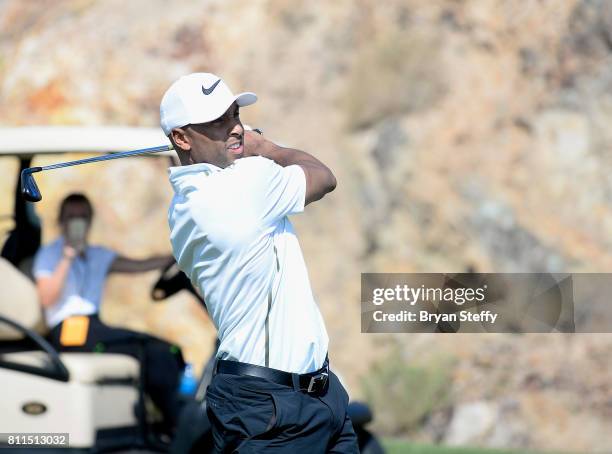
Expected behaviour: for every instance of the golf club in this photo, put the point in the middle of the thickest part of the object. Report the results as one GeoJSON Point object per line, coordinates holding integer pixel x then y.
{"type": "Point", "coordinates": [29, 188]}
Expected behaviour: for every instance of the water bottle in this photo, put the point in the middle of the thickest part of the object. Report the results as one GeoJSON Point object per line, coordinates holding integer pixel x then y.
{"type": "Point", "coordinates": [188, 384]}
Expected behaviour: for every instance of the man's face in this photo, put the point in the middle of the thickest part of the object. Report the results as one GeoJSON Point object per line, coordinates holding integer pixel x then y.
{"type": "Point", "coordinates": [76, 222]}
{"type": "Point", "coordinates": [219, 142]}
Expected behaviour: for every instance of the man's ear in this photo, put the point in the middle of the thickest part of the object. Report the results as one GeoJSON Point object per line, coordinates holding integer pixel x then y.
{"type": "Point", "coordinates": [180, 138]}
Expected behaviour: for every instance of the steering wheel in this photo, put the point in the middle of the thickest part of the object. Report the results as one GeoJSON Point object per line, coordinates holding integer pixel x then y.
{"type": "Point", "coordinates": [171, 281]}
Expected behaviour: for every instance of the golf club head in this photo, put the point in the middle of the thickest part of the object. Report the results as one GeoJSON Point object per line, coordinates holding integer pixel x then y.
{"type": "Point", "coordinates": [29, 188]}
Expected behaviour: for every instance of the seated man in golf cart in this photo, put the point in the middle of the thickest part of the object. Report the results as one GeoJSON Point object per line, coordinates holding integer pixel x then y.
{"type": "Point", "coordinates": [70, 276]}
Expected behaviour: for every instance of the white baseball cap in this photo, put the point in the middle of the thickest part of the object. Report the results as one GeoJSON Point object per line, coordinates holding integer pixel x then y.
{"type": "Point", "coordinates": [198, 98]}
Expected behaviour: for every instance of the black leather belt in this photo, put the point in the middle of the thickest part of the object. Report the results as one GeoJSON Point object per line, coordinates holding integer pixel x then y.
{"type": "Point", "coordinates": [311, 383]}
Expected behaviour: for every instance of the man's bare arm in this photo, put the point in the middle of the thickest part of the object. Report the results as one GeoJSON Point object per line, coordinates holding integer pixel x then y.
{"type": "Point", "coordinates": [319, 178]}
{"type": "Point", "coordinates": [127, 265]}
{"type": "Point", "coordinates": [50, 287]}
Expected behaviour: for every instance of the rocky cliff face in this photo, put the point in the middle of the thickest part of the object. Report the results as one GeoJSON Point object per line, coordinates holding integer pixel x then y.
{"type": "Point", "coordinates": [464, 134]}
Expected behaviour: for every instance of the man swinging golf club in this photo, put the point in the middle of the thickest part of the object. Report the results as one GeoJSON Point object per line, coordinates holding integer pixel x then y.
{"type": "Point", "coordinates": [273, 390]}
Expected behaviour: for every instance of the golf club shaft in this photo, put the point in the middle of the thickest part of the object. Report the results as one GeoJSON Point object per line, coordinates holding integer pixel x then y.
{"type": "Point", "coordinates": [108, 157]}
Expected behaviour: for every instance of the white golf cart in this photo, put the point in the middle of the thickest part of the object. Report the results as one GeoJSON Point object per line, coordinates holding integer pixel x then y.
{"type": "Point", "coordinates": [95, 398]}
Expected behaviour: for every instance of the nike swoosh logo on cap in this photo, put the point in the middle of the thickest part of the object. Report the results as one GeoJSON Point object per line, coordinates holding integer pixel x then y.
{"type": "Point", "coordinates": [208, 91]}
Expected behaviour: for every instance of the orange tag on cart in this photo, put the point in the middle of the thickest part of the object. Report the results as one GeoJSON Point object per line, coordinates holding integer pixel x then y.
{"type": "Point", "coordinates": [74, 331]}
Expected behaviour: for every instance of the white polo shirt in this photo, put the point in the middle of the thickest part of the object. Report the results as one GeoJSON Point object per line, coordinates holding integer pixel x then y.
{"type": "Point", "coordinates": [82, 292]}
{"type": "Point", "coordinates": [230, 234]}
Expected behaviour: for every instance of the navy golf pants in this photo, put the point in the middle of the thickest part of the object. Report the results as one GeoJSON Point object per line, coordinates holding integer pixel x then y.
{"type": "Point", "coordinates": [253, 415]}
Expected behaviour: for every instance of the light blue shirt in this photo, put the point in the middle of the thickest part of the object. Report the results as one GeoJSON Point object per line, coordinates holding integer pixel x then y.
{"type": "Point", "coordinates": [82, 293]}
{"type": "Point", "coordinates": [230, 234]}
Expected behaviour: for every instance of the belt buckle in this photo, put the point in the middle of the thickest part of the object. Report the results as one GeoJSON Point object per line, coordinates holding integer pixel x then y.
{"type": "Point", "coordinates": [314, 381]}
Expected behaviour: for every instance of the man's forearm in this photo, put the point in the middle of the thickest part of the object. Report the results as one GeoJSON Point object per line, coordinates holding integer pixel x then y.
{"type": "Point", "coordinates": [50, 288]}
{"type": "Point", "coordinates": [157, 262]}
{"type": "Point", "coordinates": [127, 265]}
{"type": "Point", "coordinates": [287, 156]}
{"type": "Point", "coordinates": [319, 178]}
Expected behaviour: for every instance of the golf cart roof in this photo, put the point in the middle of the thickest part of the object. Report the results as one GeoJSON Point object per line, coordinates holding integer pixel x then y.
{"type": "Point", "coordinates": [27, 141]}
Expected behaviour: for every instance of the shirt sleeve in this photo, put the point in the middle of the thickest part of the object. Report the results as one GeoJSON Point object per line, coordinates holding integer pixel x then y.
{"type": "Point", "coordinates": [103, 259]}
{"type": "Point", "coordinates": [283, 191]}
{"type": "Point", "coordinates": [45, 262]}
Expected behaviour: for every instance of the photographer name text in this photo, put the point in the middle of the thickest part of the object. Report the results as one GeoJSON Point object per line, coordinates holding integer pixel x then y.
{"type": "Point", "coordinates": [430, 317]}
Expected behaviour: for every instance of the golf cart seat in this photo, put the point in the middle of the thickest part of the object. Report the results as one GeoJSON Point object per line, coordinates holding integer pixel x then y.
{"type": "Point", "coordinates": [83, 367]}
{"type": "Point", "coordinates": [86, 394]}
{"type": "Point", "coordinates": [20, 304]}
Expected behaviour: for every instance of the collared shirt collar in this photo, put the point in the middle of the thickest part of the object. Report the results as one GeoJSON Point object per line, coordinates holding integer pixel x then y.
{"type": "Point", "coordinates": [176, 174]}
